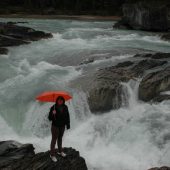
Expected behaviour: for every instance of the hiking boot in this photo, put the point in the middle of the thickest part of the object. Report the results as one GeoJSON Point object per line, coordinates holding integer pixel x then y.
{"type": "Point", "coordinates": [54, 159]}
{"type": "Point", "coordinates": [62, 154]}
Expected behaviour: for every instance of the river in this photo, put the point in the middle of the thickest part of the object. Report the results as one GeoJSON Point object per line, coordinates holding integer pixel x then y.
{"type": "Point", "coordinates": [133, 137]}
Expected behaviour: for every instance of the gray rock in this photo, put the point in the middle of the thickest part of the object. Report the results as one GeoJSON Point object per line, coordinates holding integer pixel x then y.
{"type": "Point", "coordinates": [144, 16]}
{"type": "Point", "coordinates": [11, 151]}
{"type": "Point", "coordinates": [106, 92]}
{"type": "Point", "coordinates": [166, 37]}
{"type": "Point", "coordinates": [125, 64]}
{"type": "Point", "coordinates": [23, 33]}
{"type": "Point", "coordinates": [154, 55]}
{"type": "Point", "coordinates": [6, 41]}
{"type": "Point", "coordinates": [13, 35]}
{"type": "Point", "coordinates": [161, 98]}
{"type": "Point", "coordinates": [16, 156]}
{"type": "Point", "coordinates": [153, 84]}
{"type": "Point", "coordinates": [122, 24]}
{"type": "Point", "coordinates": [161, 168]}
{"type": "Point", "coordinates": [105, 97]}
{"type": "Point", "coordinates": [3, 51]}
{"type": "Point", "coordinates": [145, 65]}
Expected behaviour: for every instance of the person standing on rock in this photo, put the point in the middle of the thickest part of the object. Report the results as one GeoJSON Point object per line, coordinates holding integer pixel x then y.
{"type": "Point", "coordinates": [59, 115]}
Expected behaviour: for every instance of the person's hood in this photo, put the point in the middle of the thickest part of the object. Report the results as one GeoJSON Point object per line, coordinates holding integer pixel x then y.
{"type": "Point", "coordinates": [62, 98]}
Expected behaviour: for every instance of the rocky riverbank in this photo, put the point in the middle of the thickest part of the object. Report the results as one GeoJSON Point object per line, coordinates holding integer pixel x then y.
{"type": "Point", "coordinates": [14, 35]}
{"type": "Point", "coordinates": [17, 156]}
{"type": "Point", "coordinates": [108, 90]}
{"type": "Point", "coordinates": [104, 85]}
{"type": "Point", "coordinates": [65, 17]}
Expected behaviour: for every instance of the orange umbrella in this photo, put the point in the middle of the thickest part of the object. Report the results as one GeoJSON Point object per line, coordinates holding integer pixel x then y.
{"type": "Point", "coordinates": [51, 96]}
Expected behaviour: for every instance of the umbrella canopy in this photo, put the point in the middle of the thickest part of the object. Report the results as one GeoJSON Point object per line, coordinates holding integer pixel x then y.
{"type": "Point", "coordinates": [51, 96]}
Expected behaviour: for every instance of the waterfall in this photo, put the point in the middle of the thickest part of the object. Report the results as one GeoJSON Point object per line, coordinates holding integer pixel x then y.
{"type": "Point", "coordinates": [130, 93]}
{"type": "Point", "coordinates": [126, 138]}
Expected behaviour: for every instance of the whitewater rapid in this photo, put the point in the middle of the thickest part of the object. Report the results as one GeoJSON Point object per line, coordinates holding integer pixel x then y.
{"type": "Point", "coordinates": [133, 137]}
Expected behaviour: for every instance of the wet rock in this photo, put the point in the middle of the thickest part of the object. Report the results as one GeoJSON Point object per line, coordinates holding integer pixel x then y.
{"type": "Point", "coordinates": [125, 64]}
{"type": "Point", "coordinates": [6, 41]}
{"type": "Point", "coordinates": [161, 56]}
{"type": "Point", "coordinates": [122, 24]}
{"type": "Point", "coordinates": [19, 22]}
{"type": "Point", "coordinates": [23, 33]}
{"type": "Point", "coordinates": [106, 92]}
{"type": "Point", "coordinates": [145, 15]}
{"type": "Point", "coordinates": [3, 51]}
{"type": "Point", "coordinates": [161, 168]}
{"type": "Point", "coordinates": [37, 35]}
{"type": "Point", "coordinates": [147, 64]}
{"type": "Point", "coordinates": [87, 61]}
{"type": "Point", "coordinates": [154, 56]}
{"type": "Point", "coordinates": [14, 35]}
{"type": "Point", "coordinates": [161, 98]}
{"type": "Point", "coordinates": [11, 151]}
{"type": "Point", "coordinates": [166, 37]}
{"type": "Point", "coordinates": [103, 98]}
{"type": "Point", "coordinates": [147, 55]}
{"type": "Point", "coordinates": [153, 84]}
{"type": "Point", "coordinates": [17, 156]}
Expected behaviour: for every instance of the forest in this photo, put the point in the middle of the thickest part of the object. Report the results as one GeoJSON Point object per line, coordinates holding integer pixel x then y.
{"type": "Point", "coordinates": [75, 7]}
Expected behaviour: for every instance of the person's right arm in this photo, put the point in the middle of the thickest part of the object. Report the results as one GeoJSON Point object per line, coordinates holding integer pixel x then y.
{"type": "Point", "coordinates": [68, 118]}
{"type": "Point", "coordinates": [50, 116]}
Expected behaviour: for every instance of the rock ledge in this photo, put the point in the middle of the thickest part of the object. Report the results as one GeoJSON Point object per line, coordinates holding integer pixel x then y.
{"type": "Point", "coordinates": [17, 156]}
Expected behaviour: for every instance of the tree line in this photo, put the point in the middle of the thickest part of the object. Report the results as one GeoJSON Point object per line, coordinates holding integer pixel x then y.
{"type": "Point", "coordinates": [103, 7]}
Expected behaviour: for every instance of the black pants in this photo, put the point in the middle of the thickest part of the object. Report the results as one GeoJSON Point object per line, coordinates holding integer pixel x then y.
{"type": "Point", "coordinates": [57, 134]}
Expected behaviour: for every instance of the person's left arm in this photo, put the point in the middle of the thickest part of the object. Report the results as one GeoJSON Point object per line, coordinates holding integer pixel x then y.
{"type": "Point", "coordinates": [50, 114]}
{"type": "Point", "coordinates": [68, 118]}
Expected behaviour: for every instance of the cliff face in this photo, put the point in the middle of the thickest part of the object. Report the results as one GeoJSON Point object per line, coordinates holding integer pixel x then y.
{"type": "Point", "coordinates": [145, 15]}
{"type": "Point", "coordinates": [140, 16]}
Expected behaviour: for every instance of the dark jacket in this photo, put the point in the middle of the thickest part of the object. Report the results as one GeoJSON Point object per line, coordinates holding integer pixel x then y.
{"type": "Point", "coordinates": [61, 117]}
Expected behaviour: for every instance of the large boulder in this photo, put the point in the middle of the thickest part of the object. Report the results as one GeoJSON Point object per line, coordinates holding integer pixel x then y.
{"type": "Point", "coordinates": [3, 51]}
{"type": "Point", "coordinates": [7, 41]}
{"type": "Point", "coordinates": [153, 84]}
{"type": "Point", "coordinates": [17, 156]}
{"type": "Point", "coordinates": [107, 93]}
{"type": "Point", "coordinates": [161, 168]}
{"type": "Point", "coordinates": [21, 32]}
{"type": "Point", "coordinates": [166, 37]}
{"type": "Point", "coordinates": [144, 15]}
{"type": "Point", "coordinates": [14, 35]}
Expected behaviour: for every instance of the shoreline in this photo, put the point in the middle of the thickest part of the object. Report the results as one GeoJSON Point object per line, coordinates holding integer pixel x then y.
{"type": "Point", "coordinates": [67, 17]}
